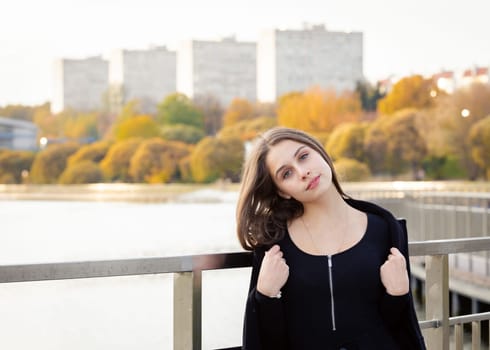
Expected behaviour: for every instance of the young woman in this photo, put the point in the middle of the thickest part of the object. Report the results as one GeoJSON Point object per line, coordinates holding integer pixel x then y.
{"type": "Point", "coordinates": [329, 272]}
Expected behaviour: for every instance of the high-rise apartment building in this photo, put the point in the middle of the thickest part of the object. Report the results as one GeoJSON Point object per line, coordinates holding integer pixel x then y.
{"type": "Point", "coordinates": [295, 60]}
{"type": "Point", "coordinates": [80, 84]}
{"type": "Point", "coordinates": [225, 69]}
{"type": "Point", "coordinates": [147, 75]}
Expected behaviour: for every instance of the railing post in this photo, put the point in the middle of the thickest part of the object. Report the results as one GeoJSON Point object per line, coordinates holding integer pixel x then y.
{"type": "Point", "coordinates": [187, 310]}
{"type": "Point", "coordinates": [437, 300]}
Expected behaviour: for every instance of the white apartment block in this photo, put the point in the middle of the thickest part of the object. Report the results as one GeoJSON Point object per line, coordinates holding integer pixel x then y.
{"type": "Point", "coordinates": [80, 84]}
{"type": "Point", "coordinates": [225, 69]}
{"type": "Point", "coordinates": [295, 60]}
{"type": "Point", "coordinates": [147, 75]}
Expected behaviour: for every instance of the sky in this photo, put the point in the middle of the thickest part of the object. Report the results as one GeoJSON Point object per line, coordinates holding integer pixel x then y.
{"type": "Point", "coordinates": [400, 37]}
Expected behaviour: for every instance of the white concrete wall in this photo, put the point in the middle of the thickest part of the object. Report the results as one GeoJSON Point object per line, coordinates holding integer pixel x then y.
{"type": "Point", "coordinates": [225, 69]}
{"type": "Point", "coordinates": [306, 58]}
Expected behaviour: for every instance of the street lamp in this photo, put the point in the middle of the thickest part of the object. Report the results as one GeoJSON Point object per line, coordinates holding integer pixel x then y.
{"type": "Point", "coordinates": [465, 113]}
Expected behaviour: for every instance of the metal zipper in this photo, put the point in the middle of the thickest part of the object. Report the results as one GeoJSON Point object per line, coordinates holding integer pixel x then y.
{"type": "Point", "coordinates": [331, 290]}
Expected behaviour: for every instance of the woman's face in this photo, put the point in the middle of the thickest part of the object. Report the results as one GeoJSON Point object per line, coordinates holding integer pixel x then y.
{"type": "Point", "coordinates": [298, 171]}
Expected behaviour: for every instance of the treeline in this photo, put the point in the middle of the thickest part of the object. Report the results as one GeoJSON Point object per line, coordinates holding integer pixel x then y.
{"type": "Point", "coordinates": [415, 130]}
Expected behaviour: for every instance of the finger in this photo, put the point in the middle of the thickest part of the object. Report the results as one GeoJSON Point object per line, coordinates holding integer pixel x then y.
{"type": "Point", "coordinates": [395, 252]}
{"type": "Point", "coordinates": [274, 249]}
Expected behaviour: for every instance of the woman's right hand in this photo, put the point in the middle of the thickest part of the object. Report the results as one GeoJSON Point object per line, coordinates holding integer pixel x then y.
{"type": "Point", "coordinates": [273, 273]}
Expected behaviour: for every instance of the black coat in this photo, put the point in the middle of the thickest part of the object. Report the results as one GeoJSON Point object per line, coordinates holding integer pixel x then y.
{"type": "Point", "coordinates": [406, 332]}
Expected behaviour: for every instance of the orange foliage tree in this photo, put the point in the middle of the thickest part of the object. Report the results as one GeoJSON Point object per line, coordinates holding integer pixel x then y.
{"type": "Point", "coordinates": [317, 110]}
{"type": "Point", "coordinates": [410, 92]}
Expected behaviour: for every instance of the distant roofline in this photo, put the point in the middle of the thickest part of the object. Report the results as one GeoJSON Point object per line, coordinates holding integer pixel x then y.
{"type": "Point", "coordinates": [17, 123]}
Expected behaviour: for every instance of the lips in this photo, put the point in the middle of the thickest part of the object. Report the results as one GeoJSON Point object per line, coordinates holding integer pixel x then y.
{"type": "Point", "coordinates": [313, 183]}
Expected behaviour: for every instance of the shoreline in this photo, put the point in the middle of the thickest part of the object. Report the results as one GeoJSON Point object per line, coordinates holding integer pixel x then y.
{"type": "Point", "coordinates": [216, 192]}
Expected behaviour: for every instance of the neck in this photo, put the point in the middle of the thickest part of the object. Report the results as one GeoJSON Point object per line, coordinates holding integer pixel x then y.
{"type": "Point", "coordinates": [331, 207]}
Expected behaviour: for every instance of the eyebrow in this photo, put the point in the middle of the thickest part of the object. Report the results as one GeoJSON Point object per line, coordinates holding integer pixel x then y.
{"type": "Point", "coordinates": [294, 156]}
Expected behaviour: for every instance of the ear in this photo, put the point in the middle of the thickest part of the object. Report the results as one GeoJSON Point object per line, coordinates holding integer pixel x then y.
{"type": "Point", "coordinates": [283, 195]}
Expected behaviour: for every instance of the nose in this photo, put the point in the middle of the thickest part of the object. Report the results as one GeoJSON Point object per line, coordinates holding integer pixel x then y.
{"type": "Point", "coordinates": [306, 173]}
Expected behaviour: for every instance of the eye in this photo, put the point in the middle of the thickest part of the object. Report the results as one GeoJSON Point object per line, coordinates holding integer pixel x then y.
{"type": "Point", "coordinates": [304, 156]}
{"type": "Point", "coordinates": [286, 174]}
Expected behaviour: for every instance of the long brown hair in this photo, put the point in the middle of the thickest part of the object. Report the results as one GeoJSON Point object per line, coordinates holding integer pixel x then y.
{"type": "Point", "coordinates": [262, 215]}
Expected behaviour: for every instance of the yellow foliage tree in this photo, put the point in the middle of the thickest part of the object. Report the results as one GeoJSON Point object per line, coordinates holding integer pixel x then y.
{"type": "Point", "coordinates": [140, 126]}
{"type": "Point", "coordinates": [409, 92]}
{"type": "Point", "coordinates": [215, 158]}
{"type": "Point", "coordinates": [347, 141]}
{"type": "Point", "coordinates": [115, 164]}
{"type": "Point", "coordinates": [318, 110]}
{"type": "Point", "coordinates": [157, 160]}
{"type": "Point", "coordinates": [239, 110]}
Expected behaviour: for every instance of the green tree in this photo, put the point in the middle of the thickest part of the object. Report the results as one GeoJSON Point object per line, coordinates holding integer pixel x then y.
{"type": "Point", "coordinates": [480, 145]}
{"type": "Point", "coordinates": [215, 158]}
{"type": "Point", "coordinates": [50, 163]}
{"type": "Point", "coordinates": [347, 141]}
{"type": "Point", "coordinates": [157, 160]}
{"type": "Point", "coordinates": [115, 165]}
{"type": "Point", "coordinates": [15, 165]}
{"type": "Point", "coordinates": [83, 172]}
{"type": "Point", "coordinates": [139, 126]}
{"type": "Point", "coordinates": [182, 132]}
{"type": "Point", "coordinates": [369, 95]}
{"type": "Point", "coordinates": [179, 109]}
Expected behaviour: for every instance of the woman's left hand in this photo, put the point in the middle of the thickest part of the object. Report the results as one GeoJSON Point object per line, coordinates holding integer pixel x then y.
{"type": "Point", "coordinates": [394, 275]}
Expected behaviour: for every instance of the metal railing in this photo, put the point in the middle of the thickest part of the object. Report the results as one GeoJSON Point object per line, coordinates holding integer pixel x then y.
{"type": "Point", "coordinates": [187, 286]}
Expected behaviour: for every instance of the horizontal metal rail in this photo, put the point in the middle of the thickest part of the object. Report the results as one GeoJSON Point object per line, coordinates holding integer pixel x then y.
{"type": "Point", "coordinates": [123, 267]}
{"type": "Point", "coordinates": [188, 274]}
{"type": "Point", "coordinates": [176, 264]}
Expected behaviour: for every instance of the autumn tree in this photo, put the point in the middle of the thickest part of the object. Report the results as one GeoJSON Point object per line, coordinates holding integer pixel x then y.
{"type": "Point", "coordinates": [317, 110]}
{"type": "Point", "coordinates": [347, 141]}
{"type": "Point", "coordinates": [181, 132]}
{"type": "Point", "coordinates": [409, 92]}
{"type": "Point", "coordinates": [77, 126]}
{"type": "Point", "coordinates": [239, 110]}
{"type": "Point", "coordinates": [115, 165]}
{"type": "Point", "coordinates": [376, 145]}
{"type": "Point", "coordinates": [453, 117]}
{"type": "Point", "coordinates": [93, 152]}
{"type": "Point", "coordinates": [138, 126]}
{"type": "Point", "coordinates": [14, 165]}
{"type": "Point", "coordinates": [349, 169]}
{"type": "Point", "coordinates": [23, 112]}
{"type": "Point", "coordinates": [248, 129]}
{"type": "Point", "coordinates": [50, 163]}
{"type": "Point", "coordinates": [179, 109]}
{"type": "Point", "coordinates": [156, 161]}
{"type": "Point", "coordinates": [405, 145]}
{"type": "Point", "coordinates": [83, 172]}
{"type": "Point", "coordinates": [479, 138]}
{"type": "Point", "coordinates": [215, 158]}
